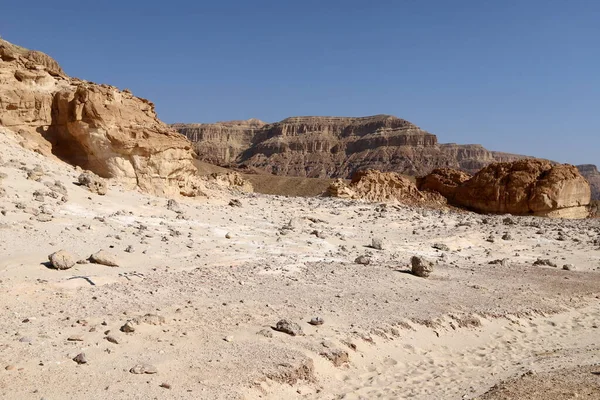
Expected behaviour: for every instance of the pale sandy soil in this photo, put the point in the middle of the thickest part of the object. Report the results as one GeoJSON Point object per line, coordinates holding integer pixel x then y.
{"type": "Point", "coordinates": [455, 335]}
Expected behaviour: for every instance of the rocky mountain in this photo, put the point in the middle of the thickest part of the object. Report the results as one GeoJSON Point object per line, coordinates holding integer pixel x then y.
{"type": "Point", "coordinates": [97, 127]}
{"type": "Point", "coordinates": [591, 173]}
{"type": "Point", "coordinates": [322, 147]}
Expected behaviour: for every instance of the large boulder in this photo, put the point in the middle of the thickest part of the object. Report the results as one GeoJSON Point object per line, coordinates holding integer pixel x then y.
{"type": "Point", "coordinates": [527, 187]}
{"type": "Point", "coordinates": [445, 181]}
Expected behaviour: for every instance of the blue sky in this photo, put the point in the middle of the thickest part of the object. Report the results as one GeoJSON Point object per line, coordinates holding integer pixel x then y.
{"type": "Point", "coordinates": [517, 76]}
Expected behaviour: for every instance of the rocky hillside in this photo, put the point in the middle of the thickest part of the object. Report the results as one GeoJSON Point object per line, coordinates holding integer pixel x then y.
{"type": "Point", "coordinates": [321, 147]}
{"type": "Point", "coordinates": [591, 173]}
{"type": "Point", "coordinates": [97, 127]}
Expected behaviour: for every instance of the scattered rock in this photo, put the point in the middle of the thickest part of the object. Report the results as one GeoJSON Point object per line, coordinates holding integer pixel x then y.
{"type": "Point", "coordinates": [150, 319]}
{"type": "Point", "coordinates": [364, 260]}
{"type": "Point", "coordinates": [319, 234]}
{"type": "Point", "coordinates": [289, 327]}
{"type": "Point", "coordinates": [174, 206]}
{"type": "Point", "coordinates": [128, 327]}
{"type": "Point", "coordinates": [337, 356]}
{"type": "Point", "coordinates": [44, 218]}
{"type": "Point", "coordinates": [165, 385]}
{"type": "Point", "coordinates": [111, 339]}
{"type": "Point", "coordinates": [129, 249]}
{"type": "Point", "coordinates": [503, 262]}
{"type": "Point", "coordinates": [507, 236]}
{"type": "Point", "coordinates": [144, 369]}
{"type": "Point", "coordinates": [62, 259]}
{"type": "Point", "coordinates": [104, 258]}
{"type": "Point", "coordinates": [441, 246]}
{"type": "Point", "coordinates": [80, 358]}
{"type": "Point", "coordinates": [545, 261]}
{"type": "Point", "coordinates": [568, 267]}
{"type": "Point", "coordinates": [377, 243]}
{"type": "Point", "coordinates": [35, 174]}
{"type": "Point", "coordinates": [421, 267]}
{"type": "Point", "coordinates": [228, 235]}
{"type": "Point", "coordinates": [75, 338]}
{"type": "Point", "coordinates": [316, 321]}
{"type": "Point", "coordinates": [94, 183]}
{"type": "Point", "coordinates": [235, 203]}
{"type": "Point", "coordinates": [265, 332]}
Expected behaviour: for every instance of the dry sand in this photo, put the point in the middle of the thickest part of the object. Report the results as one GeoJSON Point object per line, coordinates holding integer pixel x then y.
{"type": "Point", "coordinates": [222, 276]}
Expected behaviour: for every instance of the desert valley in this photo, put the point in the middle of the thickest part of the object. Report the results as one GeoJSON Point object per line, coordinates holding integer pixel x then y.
{"type": "Point", "coordinates": [311, 258]}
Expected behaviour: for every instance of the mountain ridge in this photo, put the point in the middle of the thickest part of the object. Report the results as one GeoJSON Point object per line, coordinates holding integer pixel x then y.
{"type": "Point", "coordinates": [333, 147]}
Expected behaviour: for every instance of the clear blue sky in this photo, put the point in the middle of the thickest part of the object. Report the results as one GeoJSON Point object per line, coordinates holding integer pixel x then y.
{"type": "Point", "coordinates": [519, 76]}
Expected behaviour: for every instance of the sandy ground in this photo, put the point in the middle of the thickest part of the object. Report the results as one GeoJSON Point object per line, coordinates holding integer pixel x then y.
{"type": "Point", "coordinates": [204, 286]}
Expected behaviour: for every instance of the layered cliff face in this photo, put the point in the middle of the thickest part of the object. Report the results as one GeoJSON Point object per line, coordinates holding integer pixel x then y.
{"type": "Point", "coordinates": [321, 147]}
{"type": "Point", "coordinates": [221, 143]}
{"type": "Point", "coordinates": [591, 173]}
{"type": "Point", "coordinates": [98, 127]}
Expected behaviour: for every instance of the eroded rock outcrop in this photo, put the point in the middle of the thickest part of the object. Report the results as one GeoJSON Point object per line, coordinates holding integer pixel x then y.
{"type": "Point", "coordinates": [375, 186]}
{"type": "Point", "coordinates": [97, 127]}
{"type": "Point", "coordinates": [527, 187]}
{"type": "Point", "coordinates": [322, 147]}
{"type": "Point", "coordinates": [444, 181]}
{"type": "Point", "coordinates": [591, 173]}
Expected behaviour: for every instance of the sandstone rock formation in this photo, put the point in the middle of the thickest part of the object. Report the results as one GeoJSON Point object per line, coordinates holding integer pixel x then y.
{"type": "Point", "coordinates": [230, 180]}
{"type": "Point", "coordinates": [445, 181]}
{"type": "Point", "coordinates": [371, 185]}
{"type": "Point", "coordinates": [526, 187]}
{"type": "Point", "coordinates": [591, 173]}
{"type": "Point", "coordinates": [321, 147]}
{"type": "Point", "coordinates": [97, 127]}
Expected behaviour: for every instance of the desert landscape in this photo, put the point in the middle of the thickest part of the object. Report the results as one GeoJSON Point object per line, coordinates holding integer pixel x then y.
{"type": "Point", "coordinates": [314, 258]}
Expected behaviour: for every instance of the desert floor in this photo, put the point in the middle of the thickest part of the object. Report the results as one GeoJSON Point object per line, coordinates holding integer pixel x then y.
{"type": "Point", "coordinates": [204, 284]}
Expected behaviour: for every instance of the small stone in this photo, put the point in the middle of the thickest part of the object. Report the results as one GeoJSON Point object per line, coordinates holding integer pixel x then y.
{"type": "Point", "coordinates": [128, 327]}
{"type": "Point", "coordinates": [94, 183]}
{"type": "Point", "coordinates": [316, 321]}
{"type": "Point", "coordinates": [228, 235]}
{"type": "Point", "coordinates": [228, 339]}
{"type": "Point", "coordinates": [80, 358]}
{"type": "Point", "coordinates": [441, 246]}
{"type": "Point", "coordinates": [143, 369]}
{"type": "Point", "coordinates": [289, 327]}
{"type": "Point", "coordinates": [265, 332]}
{"type": "Point", "coordinates": [235, 203]}
{"type": "Point", "coordinates": [421, 267]}
{"type": "Point", "coordinates": [75, 338]}
{"type": "Point", "coordinates": [10, 367]}
{"type": "Point", "coordinates": [507, 236]}
{"type": "Point", "coordinates": [377, 243]}
{"type": "Point", "coordinates": [44, 218]}
{"type": "Point", "coordinates": [568, 267]}
{"type": "Point", "coordinates": [104, 258]}
{"type": "Point", "coordinates": [165, 385]}
{"type": "Point", "coordinates": [364, 260]}
{"type": "Point", "coordinates": [129, 249]}
{"type": "Point", "coordinates": [174, 206]}
{"type": "Point", "coordinates": [545, 262]}
{"type": "Point", "coordinates": [62, 259]}
{"type": "Point", "coordinates": [111, 339]}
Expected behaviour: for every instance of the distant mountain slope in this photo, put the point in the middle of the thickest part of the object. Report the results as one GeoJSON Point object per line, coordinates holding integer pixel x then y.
{"type": "Point", "coordinates": [332, 147]}
{"type": "Point", "coordinates": [591, 173]}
